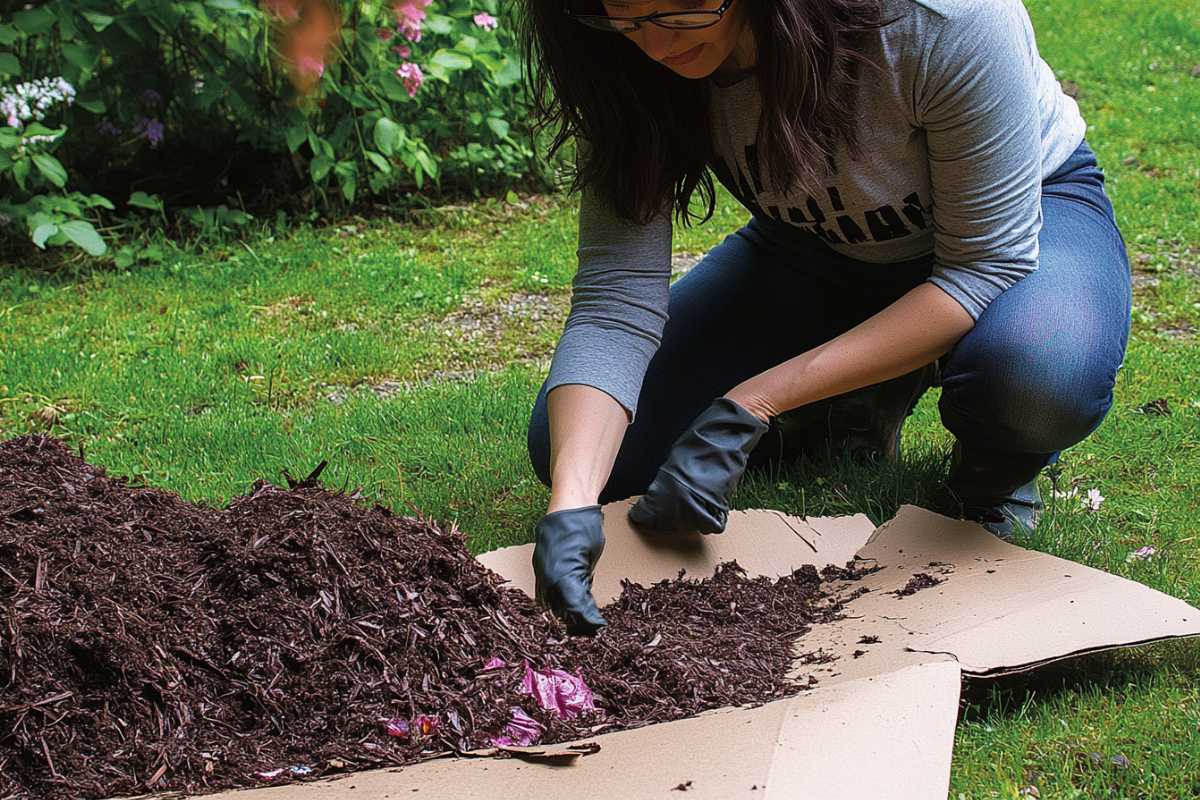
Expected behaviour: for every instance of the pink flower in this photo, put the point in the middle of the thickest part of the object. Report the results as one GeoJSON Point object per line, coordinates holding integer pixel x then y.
{"type": "Point", "coordinates": [521, 731]}
{"type": "Point", "coordinates": [495, 662]}
{"type": "Point", "coordinates": [403, 50]}
{"type": "Point", "coordinates": [409, 16]}
{"type": "Point", "coordinates": [411, 75]}
{"type": "Point", "coordinates": [410, 30]}
{"type": "Point", "coordinates": [411, 9]}
{"type": "Point", "coordinates": [385, 33]}
{"type": "Point", "coordinates": [486, 21]}
{"type": "Point", "coordinates": [1093, 500]}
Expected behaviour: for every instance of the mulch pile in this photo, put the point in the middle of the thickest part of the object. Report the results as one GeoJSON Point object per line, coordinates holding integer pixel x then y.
{"type": "Point", "coordinates": [147, 643]}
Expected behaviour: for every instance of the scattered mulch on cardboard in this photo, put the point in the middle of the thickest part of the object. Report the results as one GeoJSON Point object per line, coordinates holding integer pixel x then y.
{"type": "Point", "coordinates": [149, 644]}
{"type": "Point", "coordinates": [919, 581]}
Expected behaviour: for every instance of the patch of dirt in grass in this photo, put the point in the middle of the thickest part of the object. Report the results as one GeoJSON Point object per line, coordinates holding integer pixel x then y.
{"type": "Point", "coordinates": [1179, 259]}
{"type": "Point", "coordinates": [295, 305]}
{"type": "Point", "coordinates": [485, 335]}
{"type": "Point", "coordinates": [479, 319]}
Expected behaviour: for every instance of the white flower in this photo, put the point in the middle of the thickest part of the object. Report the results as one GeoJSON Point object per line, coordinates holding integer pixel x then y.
{"type": "Point", "coordinates": [1093, 500]}
{"type": "Point", "coordinates": [1067, 495]}
{"type": "Point", "coordinates": [26, 102]}
{"type": "Point", "coordinates": [1141, 554]}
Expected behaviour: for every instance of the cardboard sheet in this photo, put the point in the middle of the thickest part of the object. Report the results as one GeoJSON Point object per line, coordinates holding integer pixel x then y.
{"type": "Point", "coordinates": [880, 723]}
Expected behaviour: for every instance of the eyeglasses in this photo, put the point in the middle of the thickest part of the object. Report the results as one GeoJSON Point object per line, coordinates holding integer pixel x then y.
{"type": "Point", "coordinates": [677, 20]}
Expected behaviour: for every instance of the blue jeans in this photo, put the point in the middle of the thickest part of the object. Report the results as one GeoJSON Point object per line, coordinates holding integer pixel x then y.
{"type": "Point", "coordinates": [1035, 374]}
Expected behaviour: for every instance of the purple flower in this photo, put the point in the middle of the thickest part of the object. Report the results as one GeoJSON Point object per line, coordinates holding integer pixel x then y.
{"type": "Point", "coordinates": [105, 127]}
{"type": "Point", "coordinates": [495, 662]}
{"type": "Point", "coordinates": [521, 731]}
{"type": "Point", "coordinates": [151, 98]}
{"type": "Point", "coordinates": [150, 129]}
{"type": "Point", "coordinates": [486, 21]}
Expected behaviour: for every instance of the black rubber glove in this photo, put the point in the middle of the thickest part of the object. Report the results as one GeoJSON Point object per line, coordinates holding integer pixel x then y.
{"type": "Point", "coordinates": [568, 545]}
{"type": "Point", "coordinates": [692, 488]}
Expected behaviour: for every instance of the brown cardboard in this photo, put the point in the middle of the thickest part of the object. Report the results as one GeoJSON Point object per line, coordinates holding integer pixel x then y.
{"type": "Point", "coordinates": [880, 723]}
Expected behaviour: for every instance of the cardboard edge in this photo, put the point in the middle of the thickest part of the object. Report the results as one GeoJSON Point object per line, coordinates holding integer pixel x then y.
{"type": "Point", "coordinates": [1006, 671]}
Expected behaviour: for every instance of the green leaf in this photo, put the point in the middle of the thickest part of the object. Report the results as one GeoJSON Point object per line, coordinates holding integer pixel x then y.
{"type": "Point", "coordinates": [450, 59]}
{"type": "Point", "coordinates": [81, 55]}
{"type": "Point", "coordinates": [96, 106]}
{"type": "Point", "coordinates": [349, 187]}
{"type": "Point", "coordinates": [9, 65]}
{"type": "Point", "coordinates": [296, 135]}
{"type": "Point", "coordinates": [393, 88]}
{"type": "Point", "coordinates": [43, 232]}
{"type": "Point", "coordinates": [8, 35]}
{"type": "Point", "coordinates": [509, 74]}
{"type": "Point", "coordinates": [387, 135]}
{"type": "Point", "coordinates": [379, 161]}
{"type": "Point", "coordinates": [428, 163]}
{"type": "Point", "coordinates": [83, 234]}
{"type": "Point", "coordinates": [149, 202]}
{"type": "Point", "coordinates": [34, 20]}
{"type": "Point", "coordinates": [20, 171]}
{"type": "Point", "coordinates": [230, 5]}
{"type": "Point", "coordinates": [126, 257]}
{"type": "Point", "coordinates": [498, 126]}
{"type": "Point", "coordinates": [51, 168]}
{"type": "Point", "coordinates": [99, 21]}
{"type": "Point", "coordinates": [100, 201]}
{"type": "Point", "coordinates": [439, 23]}
{"type": "Point", "coordinates": [320, 167]}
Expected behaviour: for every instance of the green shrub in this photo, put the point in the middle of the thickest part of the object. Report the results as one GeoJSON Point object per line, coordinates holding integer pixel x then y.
{"type": "Point", "coordinates": [198, 101]}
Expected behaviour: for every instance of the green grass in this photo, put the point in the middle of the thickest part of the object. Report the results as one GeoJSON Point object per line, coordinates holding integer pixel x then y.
{"type": "Point", "coordinates": [223, 366]}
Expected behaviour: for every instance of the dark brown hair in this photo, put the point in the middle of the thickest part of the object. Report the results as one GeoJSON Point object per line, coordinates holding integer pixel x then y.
{"type": "Point", "coordinates": [647, 128]}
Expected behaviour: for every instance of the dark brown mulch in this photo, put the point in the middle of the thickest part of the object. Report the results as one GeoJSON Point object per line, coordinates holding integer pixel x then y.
{"type": "Point", "coordinates": [147, 643]}
{"type": "Point", "coordinates": [919, 581]}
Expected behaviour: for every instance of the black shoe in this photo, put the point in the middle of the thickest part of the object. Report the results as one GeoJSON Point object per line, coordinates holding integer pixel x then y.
{"type": "Point", "coordinates": [997, 489]}
{"type": "Point", "coordinates": [864, 424]}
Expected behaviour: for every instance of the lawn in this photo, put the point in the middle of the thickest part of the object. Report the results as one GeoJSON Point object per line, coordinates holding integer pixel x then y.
{"type": "Point", "coordinates": [408, 353]}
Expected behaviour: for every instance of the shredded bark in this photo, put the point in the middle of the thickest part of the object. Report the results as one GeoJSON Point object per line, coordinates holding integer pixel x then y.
{"type": "Point", "coordinates": [919, 581]}
{"type": "Point", "coordinates": [149, 644]}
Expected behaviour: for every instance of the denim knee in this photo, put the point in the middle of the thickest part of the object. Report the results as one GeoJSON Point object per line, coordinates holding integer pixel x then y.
{"type": "Point", "coordinates": [1021, 404]}
{"type": "Point", "coordinates": [538, 438]}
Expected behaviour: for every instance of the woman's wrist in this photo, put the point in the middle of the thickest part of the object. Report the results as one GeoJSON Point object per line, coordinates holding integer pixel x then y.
{"type": "Point", "coordinates": [753, 399]}
{"type": "Point", "coordinates": [571, 497]}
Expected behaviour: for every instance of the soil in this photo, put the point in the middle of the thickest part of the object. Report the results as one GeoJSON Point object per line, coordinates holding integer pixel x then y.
{"type": "Point", "coordinates": [150, 644]}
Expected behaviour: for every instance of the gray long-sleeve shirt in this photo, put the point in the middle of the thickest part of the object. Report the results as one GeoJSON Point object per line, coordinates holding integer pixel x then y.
{"type": "Point", "coordinates": [958, 127]}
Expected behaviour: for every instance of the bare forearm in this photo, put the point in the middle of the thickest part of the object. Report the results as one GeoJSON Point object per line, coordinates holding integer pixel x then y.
{"type": "Point", "coordinates": [911, 332]}
{"type": "Point", "coordinates": [586, 429]}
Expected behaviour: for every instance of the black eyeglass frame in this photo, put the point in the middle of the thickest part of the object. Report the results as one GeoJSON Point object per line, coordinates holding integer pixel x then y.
{"type": "Point", "coordinates": [717, 13]}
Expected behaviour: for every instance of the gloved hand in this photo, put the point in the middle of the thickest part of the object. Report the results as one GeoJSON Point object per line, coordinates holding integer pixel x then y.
{"type": "Point", "coordinates": [692, 488]}
{"type": "Point", "coordinates": [568, 545]}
